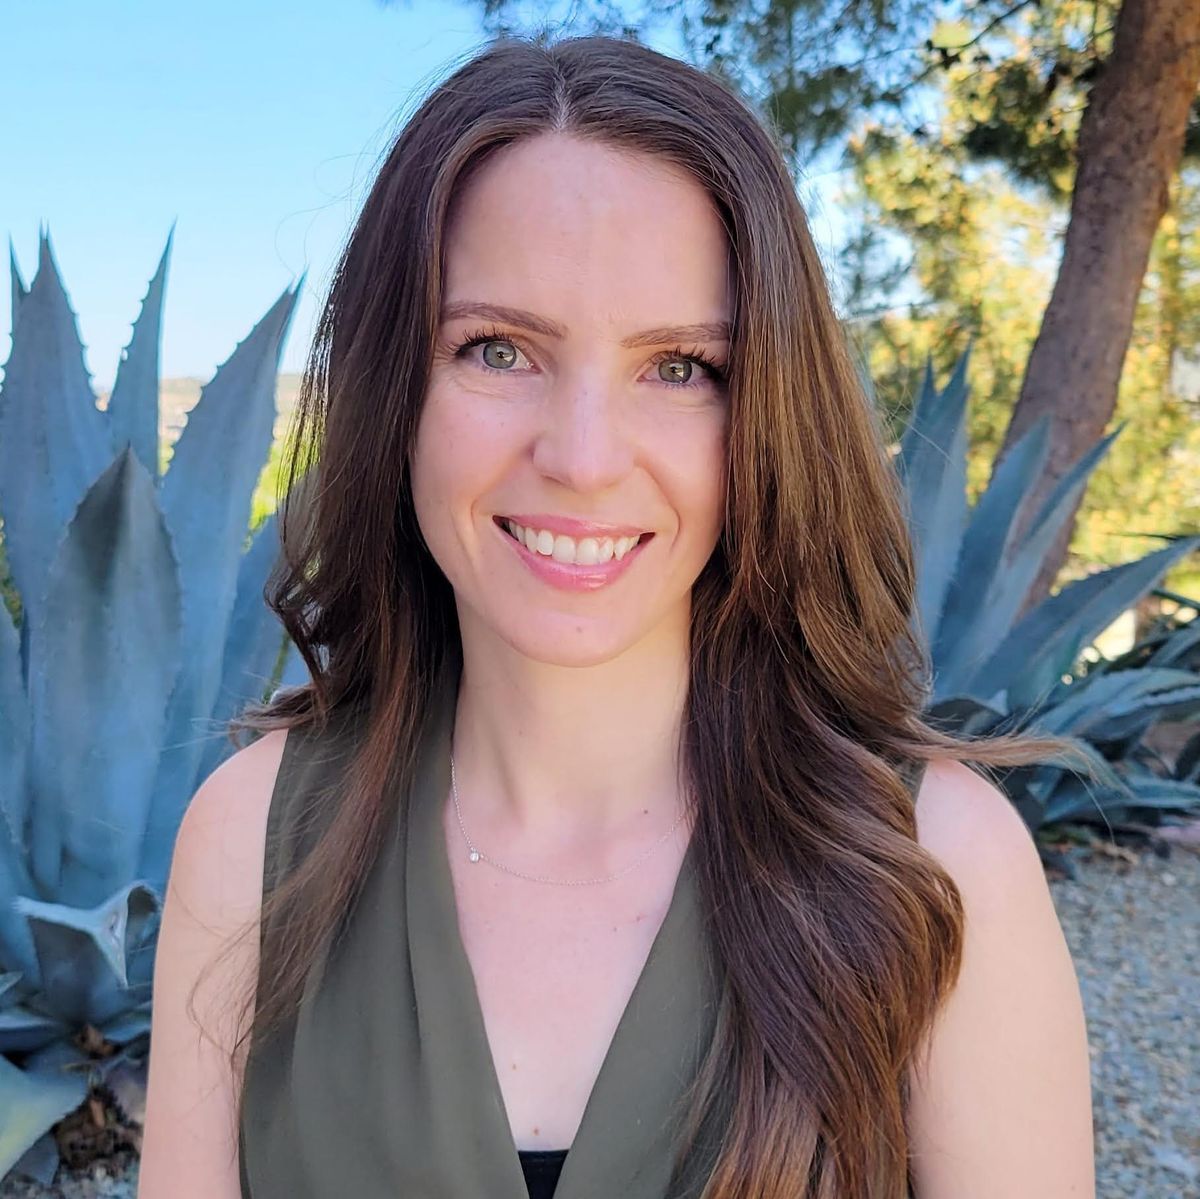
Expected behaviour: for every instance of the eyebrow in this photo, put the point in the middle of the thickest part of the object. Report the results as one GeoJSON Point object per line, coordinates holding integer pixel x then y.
{"type": "Point", "coordinates": [705, 331]}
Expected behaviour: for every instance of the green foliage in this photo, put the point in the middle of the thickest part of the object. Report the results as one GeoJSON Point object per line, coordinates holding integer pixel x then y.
{"type": "Point", "coordinates": [955, 225]}
{"type": "Point", "coordinates": [823, 70]}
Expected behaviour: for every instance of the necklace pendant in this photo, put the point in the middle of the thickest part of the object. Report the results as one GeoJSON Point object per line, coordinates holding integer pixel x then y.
{"type": "Point", "coordinates": [474, 855]}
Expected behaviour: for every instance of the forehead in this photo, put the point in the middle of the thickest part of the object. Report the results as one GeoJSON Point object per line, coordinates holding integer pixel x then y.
{"type": "Point", "coordinates": [556, 223]}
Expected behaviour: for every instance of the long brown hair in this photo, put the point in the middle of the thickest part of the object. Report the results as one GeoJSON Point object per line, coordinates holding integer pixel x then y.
{"type": "Point", "coordinates": [837, 936]}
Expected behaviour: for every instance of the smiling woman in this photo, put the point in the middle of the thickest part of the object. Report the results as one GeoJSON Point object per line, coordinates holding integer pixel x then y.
{"type": "Point", "coordinates": [600, 856]}
{"type": "Point", "coordinates": [594, 418]}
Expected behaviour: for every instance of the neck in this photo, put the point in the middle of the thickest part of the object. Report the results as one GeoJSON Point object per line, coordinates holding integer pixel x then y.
{"type": "Point", "coordinates": [578, 764]}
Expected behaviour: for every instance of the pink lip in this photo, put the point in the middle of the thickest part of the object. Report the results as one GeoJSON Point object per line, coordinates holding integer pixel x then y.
{"type": "Point", "coordinates": [571, 527]}
{"type": "Point", "coordinates": [567, 576]}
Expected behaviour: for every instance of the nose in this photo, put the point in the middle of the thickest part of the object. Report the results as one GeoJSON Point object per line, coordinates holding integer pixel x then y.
{"type": "Point", "coordinates": [581, 442]}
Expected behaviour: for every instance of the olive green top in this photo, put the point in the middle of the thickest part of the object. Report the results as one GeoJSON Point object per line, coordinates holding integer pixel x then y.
{"type": "Point", "coordinates": [383, 1086]}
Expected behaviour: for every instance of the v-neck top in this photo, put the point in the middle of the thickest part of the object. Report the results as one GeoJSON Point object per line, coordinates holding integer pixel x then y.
{"type": "Point", "coordinates": [383, 1082]}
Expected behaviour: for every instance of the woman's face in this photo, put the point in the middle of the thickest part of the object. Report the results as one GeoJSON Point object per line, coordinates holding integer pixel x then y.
{"type": "Point", "coordinates": [594, 280]}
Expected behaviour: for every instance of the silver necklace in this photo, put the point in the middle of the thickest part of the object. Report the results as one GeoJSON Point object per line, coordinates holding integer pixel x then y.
{"type": "Point", "coordinates": [476, 855]}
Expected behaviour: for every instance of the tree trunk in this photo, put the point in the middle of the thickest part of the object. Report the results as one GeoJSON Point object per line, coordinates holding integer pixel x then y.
{"type": "Point", "coordinates": [1130, 145]}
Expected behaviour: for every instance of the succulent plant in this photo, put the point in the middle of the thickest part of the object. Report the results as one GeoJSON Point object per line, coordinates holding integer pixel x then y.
{"type": "Point", "coordinates": [1144, 689]}
{"type": "Point", "coordinates": [995, 666]}
{"type": "Point", "coordinates": [143, 627]}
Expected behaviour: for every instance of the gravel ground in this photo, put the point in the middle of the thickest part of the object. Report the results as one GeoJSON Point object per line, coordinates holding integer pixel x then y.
{"type": "Point", "coordinates": [1132, 920]}
{"type": "Point", "coordinates": [1134, 932]}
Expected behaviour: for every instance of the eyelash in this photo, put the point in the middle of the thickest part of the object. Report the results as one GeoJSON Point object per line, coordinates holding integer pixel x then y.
{"type": "Point", "coordinates": [715, 372]}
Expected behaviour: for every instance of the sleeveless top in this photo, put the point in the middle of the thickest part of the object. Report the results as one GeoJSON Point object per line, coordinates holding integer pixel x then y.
{"type": "Point", "coordinates": [382, 1083]}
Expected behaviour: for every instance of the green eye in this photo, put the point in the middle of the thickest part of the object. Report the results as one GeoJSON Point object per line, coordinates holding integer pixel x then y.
{"type": "Point", "coordinates": [502, 354]}
{"type": "Point", "coordinates": [680, 370]}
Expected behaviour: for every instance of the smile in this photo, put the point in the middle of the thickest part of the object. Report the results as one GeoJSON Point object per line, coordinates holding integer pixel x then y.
{"type": "Point", "coordinates": [570, 564]}
{"type": "Point", "coordinates": [582, 551]}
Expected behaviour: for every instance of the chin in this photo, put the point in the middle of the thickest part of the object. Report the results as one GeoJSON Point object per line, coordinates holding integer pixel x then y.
{"type": "Point", "coordinates": [566, 640]}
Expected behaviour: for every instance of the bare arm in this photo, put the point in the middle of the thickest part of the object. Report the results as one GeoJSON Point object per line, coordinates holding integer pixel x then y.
{"type": "Point", "coordinates": [1005, 1111]}
{"type": "Point", "coordinates": [189, 1148]}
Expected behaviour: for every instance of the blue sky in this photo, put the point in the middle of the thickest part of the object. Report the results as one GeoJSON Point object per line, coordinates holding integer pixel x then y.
{"type": "Point", "coordinates": [254, 126]}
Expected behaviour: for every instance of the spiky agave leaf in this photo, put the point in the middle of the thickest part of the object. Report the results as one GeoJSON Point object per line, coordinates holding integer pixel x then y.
{"type": "Point", "coordinates": [105, 652]}
{"type": "Point", "coordinates": [992, 672]}
{"type": "Point", "coordinates": [1001, 604]}
{"type": "Point", "coordinates": [970, 624]}
{"type": "Point", "coordinates": [85, 955]}
{"type": "Point", "coordinates": [19, 290]}
{"type": "Point", "coordinates": [16, 948]}
{"type": "Point", "coordinates": [206, 497]}
{"type": "Point", "coordinates": [252, 644]}
{"type": "Point", "coordinates": [100, 642]}
{"type": "Point", "coordinates": [54, 441]}
{"type": "Point", "coordinates": [932, 464]}
{"type": "Point", "coordinates": [1075, 799]}
{"type": "Point", "coordinates": [1100, 705]}
{"type": "Point", "coordinates": [1045, 644]}
{"type": "Point", "coordinates": [31, 1103]}
{"type": "Point", "coordinates": [133, 406]}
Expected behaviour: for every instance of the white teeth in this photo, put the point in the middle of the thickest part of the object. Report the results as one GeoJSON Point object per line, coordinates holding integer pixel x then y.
{"type": "Point", "coordinates": [588, 551]}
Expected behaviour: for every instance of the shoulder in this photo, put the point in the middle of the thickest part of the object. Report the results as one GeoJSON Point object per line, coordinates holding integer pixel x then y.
{"type": "Point", "coordinates": [206, 963]}
{"type": "Point", "coordinates": [1008, 1060]}
{"type": "Point", "coordinates": [236, 787]}
{"type": "Point", "coordinates": [972, 828]}
{"type": "Point", "coordinates": [220, 846]}
{"type": "Point", "coordinates": [238, 780]}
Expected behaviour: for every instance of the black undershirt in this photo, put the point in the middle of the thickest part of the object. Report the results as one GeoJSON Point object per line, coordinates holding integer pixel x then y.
{"type": "Point", "coordinates": [542, 1168]}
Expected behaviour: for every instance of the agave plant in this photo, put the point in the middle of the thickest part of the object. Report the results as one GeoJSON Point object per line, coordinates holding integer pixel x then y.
{"type": "Point", "coordinates": [996, 667]}
{"type": "Point", "coordinates": [1123, 732]}
{"type": "Point", "coordinates": [143, 628]}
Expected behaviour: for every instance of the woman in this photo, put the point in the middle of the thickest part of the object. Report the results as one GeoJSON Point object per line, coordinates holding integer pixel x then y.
{"type": "Point", "coordinates": [602, 841]}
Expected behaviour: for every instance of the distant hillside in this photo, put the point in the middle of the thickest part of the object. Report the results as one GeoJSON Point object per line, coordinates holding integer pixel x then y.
{"type": "Point", "coordinates": [176, 398]}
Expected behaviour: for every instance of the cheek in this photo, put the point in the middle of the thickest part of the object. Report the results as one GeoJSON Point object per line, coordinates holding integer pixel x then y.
{"type": "Point", "coordinates": [467, 424]}
{"type": "Point", "coordinates": [460, 449]}
{"type": "Point", "coordinates": [705, 484]}
{"type": "Point", "coordinates": [439, 442]}
{"type": "Point", "coordinates": [432, 467]}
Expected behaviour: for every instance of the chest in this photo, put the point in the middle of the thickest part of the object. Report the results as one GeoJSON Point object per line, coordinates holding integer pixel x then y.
{"type": "Point", "coordinates": [554, 969]}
